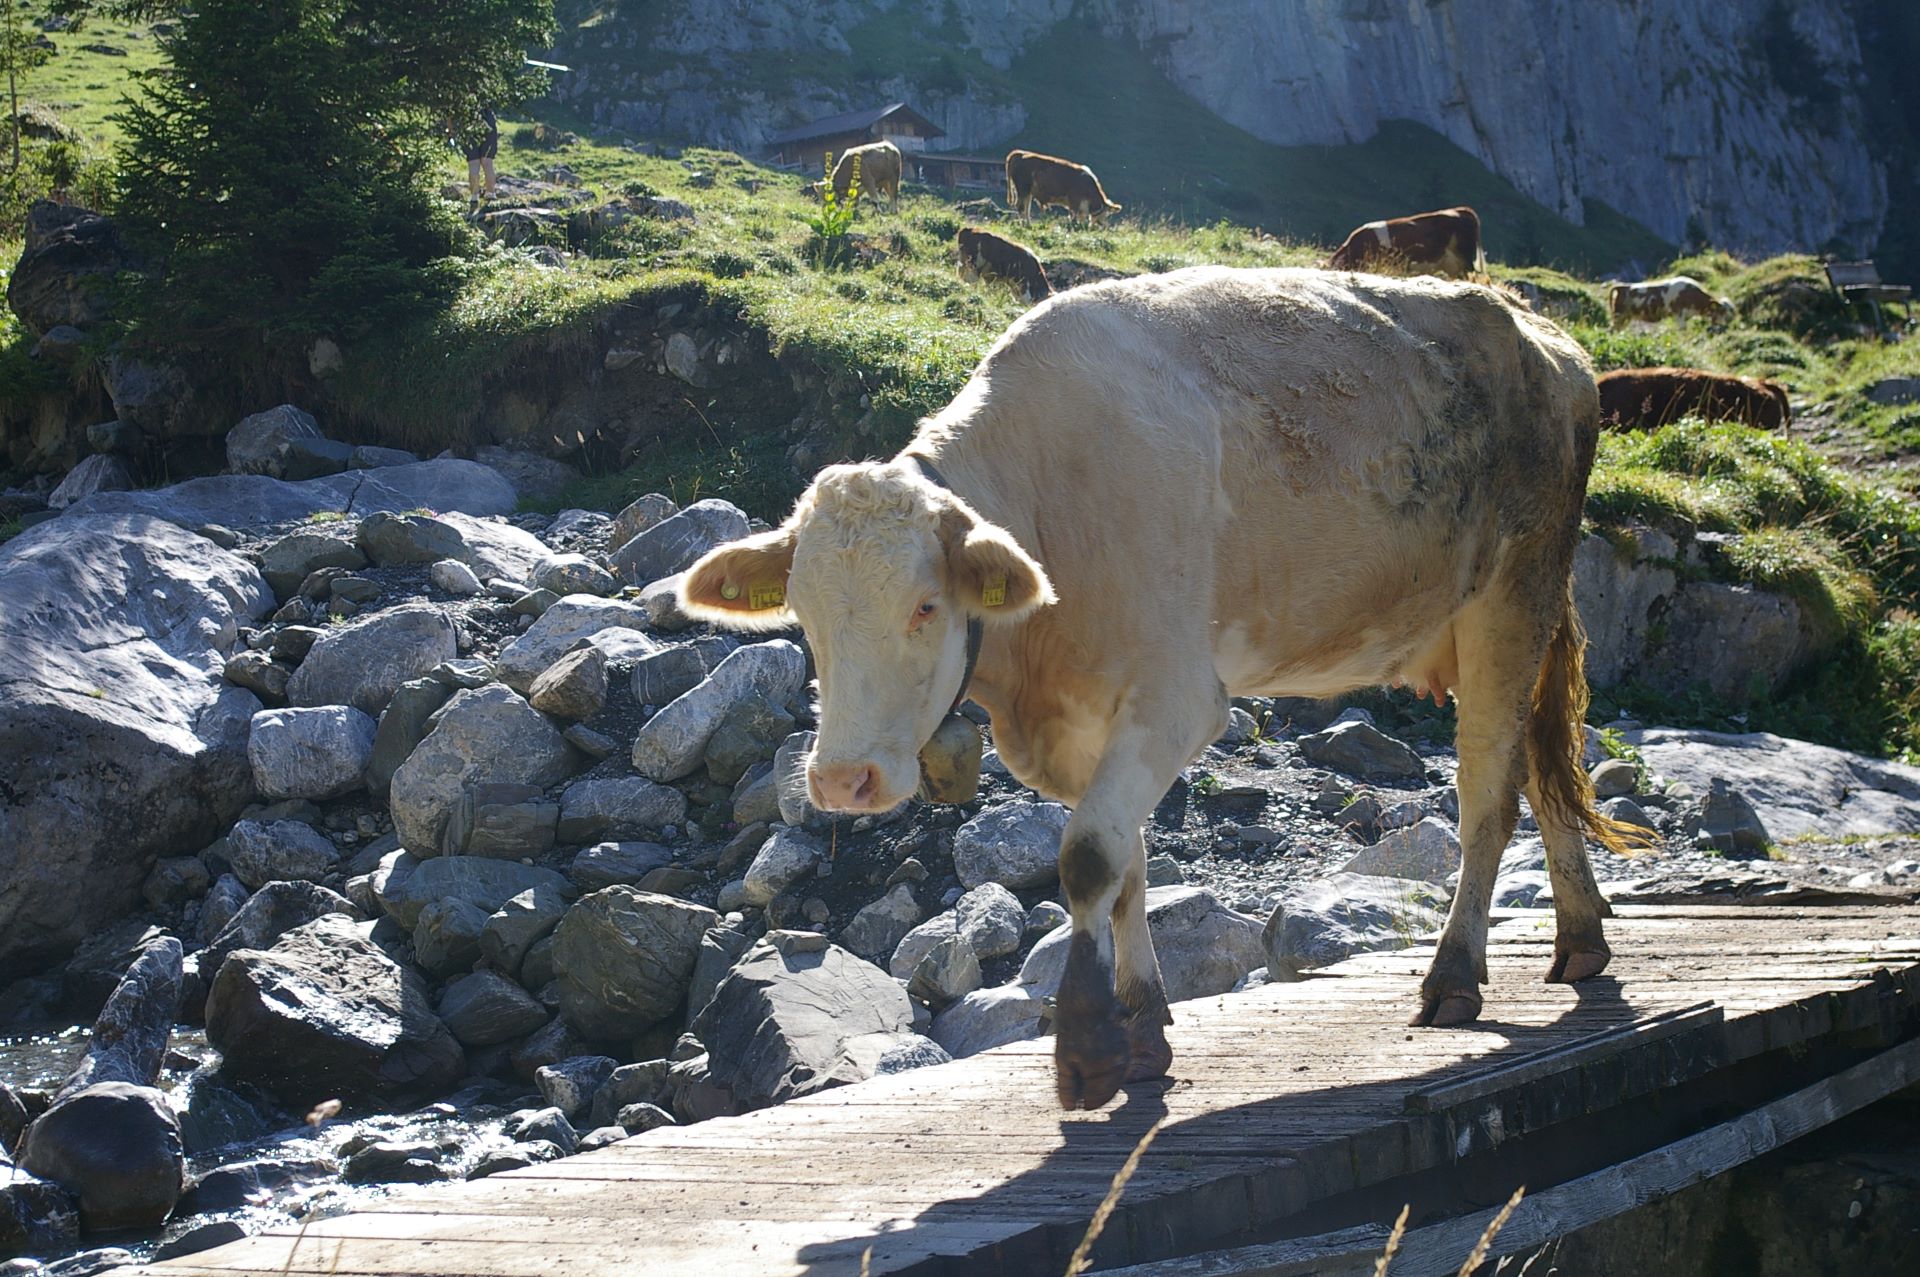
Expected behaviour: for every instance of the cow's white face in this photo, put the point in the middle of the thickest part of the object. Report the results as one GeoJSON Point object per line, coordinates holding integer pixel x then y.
{"type": "Point", "coordinates": [882, 569]}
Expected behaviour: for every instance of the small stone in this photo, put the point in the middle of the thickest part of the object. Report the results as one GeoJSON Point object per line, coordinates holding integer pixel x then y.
{"type": "Point", "coordinates": [454, 577]}
{"type": "Point", "coordinates": [1615, 777]}
{"type": "Point", "coordinates": [593, 744]}
{"type": "Point", "coordinates": [638, 1119]}
{"type": "Point", "coordinates": [1045, 918]}
{"type": "Point", "coordinates": [1426, 852]}
{"type": "Point", "coordinates": [1358, 748]}
{"type": "Point", "coordinates": [566, 574]}
{"type": "Point", "coordinates": [641, 515]}
{"type": "Point", "coordinates": [570, 1085]}
{"type": "Point", "coordinates": [1016, 844]}
{"type": "Point", "coordinates": [949, 971]}
{"type": "Point", "coordinates": [787, 857]}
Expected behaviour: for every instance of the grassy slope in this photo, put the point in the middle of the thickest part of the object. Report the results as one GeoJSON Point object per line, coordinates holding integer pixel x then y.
{"type": "Point", "coordinates": [907, 331]}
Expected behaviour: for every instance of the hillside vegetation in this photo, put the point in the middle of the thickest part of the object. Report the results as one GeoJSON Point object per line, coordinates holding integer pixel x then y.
{"type": "Point", "coordinates": [1829, 516]}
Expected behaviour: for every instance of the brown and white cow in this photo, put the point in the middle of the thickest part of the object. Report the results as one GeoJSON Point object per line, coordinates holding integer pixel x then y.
{"type": "Point", "coordinates": [1648, 398]}
{"type": "Point", "coordinates": [1446, 242]}
{"type": "Point", "coordinates": [1661, 298]}
{"type": "Point", "coordinates": [1047, 180]}
{"type": "Point", "coordinates": [879, 172]}
{"type": "Point", "coordinates": [986, 256]}
{"type": "Point", "coordinates": [1156, 493]}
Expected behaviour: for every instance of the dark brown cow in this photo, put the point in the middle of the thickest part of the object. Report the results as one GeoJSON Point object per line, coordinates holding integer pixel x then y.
{"type": "Point", "coordinates": [1050, 181]}
{"type": "Point", "coordinates": [1446, 243]}
{"type": "Point", "coordinates": [1648, 398]}
{"type": "Point", "coordinates": [986, 256]}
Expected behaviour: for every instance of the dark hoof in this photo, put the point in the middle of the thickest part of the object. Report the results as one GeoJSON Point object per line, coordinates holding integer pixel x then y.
{"type": "Point", "coordinates": [1447, 1010]}
{"type": "Point", "coordinates": [1149, 1056]}
{"type": "Point", "coordinates": [1570, 966]}
{"type": "Point", "coordinates": [1090, 1065]}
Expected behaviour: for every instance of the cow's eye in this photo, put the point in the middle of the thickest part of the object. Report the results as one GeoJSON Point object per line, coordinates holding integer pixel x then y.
{"type": "Point", "coordinates": [922, 614]}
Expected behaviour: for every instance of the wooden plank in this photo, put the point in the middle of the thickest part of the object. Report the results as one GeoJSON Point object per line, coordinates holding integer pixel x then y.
{"type": "Point", "coordinates": [1438, 1250]}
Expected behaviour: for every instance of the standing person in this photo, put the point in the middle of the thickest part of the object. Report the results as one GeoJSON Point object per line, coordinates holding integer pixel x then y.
{"type": "Point", "coordinates": [481, 147]}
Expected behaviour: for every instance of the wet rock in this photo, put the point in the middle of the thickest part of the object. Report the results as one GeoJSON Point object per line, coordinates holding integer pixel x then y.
{"type": "Point", "coordinates": [787, 857]}
{"type": "Point", "coordinates": [446, 939]}
{"type": "Point", "coordinates": [37, 1217]}
{"type": "Point", "coordinates": [673, 544]}
{"type": "Point", "coordinates": [518, 925]}
{"type": "Point", "coordinates": [638, 517]}
{"type": "Point", "coordinates": [402, 726]}
{"type": "Point", "coordinates": [673, 742]}
{"type": "Point", "coordinates": [482, 882]}
{"type": "Point", "coordinates": [97, 473]}
{"type": "Point", "coordinates": [325, 1013]}
{"type": "Point", "coordinates": [624, 959]}
{"type": "Point", "coordinates": [988, 1018]}
{"type": "Point", "coordinates": [516, 1157]}
{"type": "Point", "coordinates": [288, 562]}
{"type": "Point", "coordinates": [487, 1008]}
{"type": "Point", "coordinates": [1729, 823]}
{"type": "Point", "coordinates": [253, 1183]}
{"type": "Point", "coordinates": [610, 864]}
{"type": "Point", "coordinates": [309, 753]}
{"type": "Point", "coordinates": [1360, 749]}
{"type": "Point", "coordinates": [396, 1162]}
{"type": "Point", "coordinates": [129, 1040]}
{"type": "Point", "coordinates": [116, 1147]}
{"type": "Point", "coordinates": [200, 1237]}
{"type": "Point", "coordinates": [1337, 917]}
{"type": "Point", "coordinates": [1016, 844]}
{"type": "Point", "coordinates": [877, 929]}
{"type": "Point", "coordinates": [796, 1016]}
{"type": "Point", "coordinates": [485, 734]}
{"type": "Point", "coordinates": [575, 574]}
{"type": "Point", "coordinates": [616, 807]}
{"type": "Point", "coordinates": [546, 1046]}
{"type": "Point", "coordinates": [216, 1111]}
{"type": "Point", "coordinates": [263, 443]}
{"type": "Point", "coordinates": [557, 630]}
{"type": "Point", "coordinates": [1615, 777]}
{"type": "Point", "coordinates": [571, 1085]}
{"type": "Point", "coordinates": [363, 662]}
{"type": "Point", "coordinates": [630, 1084]}
{"type": "Point", "coordinates": [1425, 852]}
{"type": "Point", "coordinates": [1204, 947]}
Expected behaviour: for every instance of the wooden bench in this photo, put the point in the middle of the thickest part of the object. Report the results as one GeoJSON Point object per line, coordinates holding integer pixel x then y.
{"type": "Point", "coordinates": [1858, 282]}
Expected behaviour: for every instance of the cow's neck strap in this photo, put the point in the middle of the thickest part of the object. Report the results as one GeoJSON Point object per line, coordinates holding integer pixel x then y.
{"type": "Point", "coordinates": [976, 630]}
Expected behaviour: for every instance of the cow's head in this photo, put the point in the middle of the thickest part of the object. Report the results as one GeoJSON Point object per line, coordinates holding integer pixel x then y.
{"type": "Point", "coordinates": [1103, 209]}
{"type": "Point", "coordinates": [882, 569]}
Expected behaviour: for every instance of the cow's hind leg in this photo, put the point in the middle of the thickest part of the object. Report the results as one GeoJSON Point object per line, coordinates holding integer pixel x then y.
{"type": "Point", "coordinates": [1110, 1013]}
{"type": "Point", "coordinates": [1499, 647]}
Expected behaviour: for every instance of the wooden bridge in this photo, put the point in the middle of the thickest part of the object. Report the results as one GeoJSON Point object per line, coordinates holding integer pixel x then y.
{"type": "Point", "coordinates": [1302, 1117]}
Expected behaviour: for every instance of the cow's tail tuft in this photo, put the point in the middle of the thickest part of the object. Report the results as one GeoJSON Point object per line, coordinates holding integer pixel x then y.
{"type": "Point", "coordinates": [1556, 745]}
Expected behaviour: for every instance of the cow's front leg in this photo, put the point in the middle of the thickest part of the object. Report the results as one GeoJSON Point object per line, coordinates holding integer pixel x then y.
{"type": "Point", "coordinates": [1111, 1011]}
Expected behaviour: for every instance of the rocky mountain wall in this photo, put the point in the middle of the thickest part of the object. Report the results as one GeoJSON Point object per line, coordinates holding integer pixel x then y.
{"type": "Point", "coordinates": [1740, 122]}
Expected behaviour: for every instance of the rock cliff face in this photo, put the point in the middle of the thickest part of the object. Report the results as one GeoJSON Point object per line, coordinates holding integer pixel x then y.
{"type": "Point", "coordinates": [1740, 122]}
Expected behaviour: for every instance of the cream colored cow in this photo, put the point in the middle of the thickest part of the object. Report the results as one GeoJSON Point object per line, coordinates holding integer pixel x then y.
{"type": "Point", "coordinates": [879, 164]}
{"type": "Point", "coordinates": [1161, 491]}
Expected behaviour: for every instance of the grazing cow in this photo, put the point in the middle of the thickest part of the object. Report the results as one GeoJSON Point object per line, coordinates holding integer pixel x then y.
{"type": "Point", "coordinates": [986, 256]}
{"type": "Point", "coordinates": [1033, 178]}
{"type": "Point", "coordinates": [1648, 398]}
{"type": "Point", "coordinates": [1659, 298]}
{"type": "Point", "coordinates": [879, 172]}
{"type": "Point", "coordinates": [1159, 492]}
{"type": "Point", "coordinates": [1446, 242]}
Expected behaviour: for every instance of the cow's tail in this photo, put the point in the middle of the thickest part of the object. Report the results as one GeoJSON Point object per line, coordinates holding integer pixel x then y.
{"type": "Point", "coordinates": [1556, 743]}
{"type": "Point", "coordinates": [1480, 257]}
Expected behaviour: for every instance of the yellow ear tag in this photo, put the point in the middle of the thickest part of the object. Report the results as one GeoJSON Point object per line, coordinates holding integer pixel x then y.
{"type": "Point", "coordinates": [762, 597]}
{"type": "Point", "coordinates": [994, 593]}
{"type": "Point", "coordinates": [729, 591]}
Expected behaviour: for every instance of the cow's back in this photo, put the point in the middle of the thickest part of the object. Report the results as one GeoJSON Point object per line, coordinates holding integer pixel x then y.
{"type": "Point", "coordinates": [1293, 450]}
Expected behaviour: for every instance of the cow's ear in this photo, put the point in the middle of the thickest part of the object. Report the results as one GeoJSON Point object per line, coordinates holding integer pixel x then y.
{"type": "Point", "coordinates": [742, 585]}
{"type": "Point", "coordinates": [988, 574]}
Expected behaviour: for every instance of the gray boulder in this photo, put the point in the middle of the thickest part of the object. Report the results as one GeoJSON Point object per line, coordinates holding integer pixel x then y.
{"type": "Point", "coordinates": [618, 807]}
{"type": "Point", "coordinates": [609, 864]}
{"type": "Point", "coordinates": [263, 443]}
{"type": "Point", "coordinates": [640, 515]}
{"type": "Point", "coordinates": [405, 889]}
{"type": "Point", "coordinates": [1614, 778]}
{"type": "Point", "coordinates": [1729, 823]}
{"type": "Point", "coordinates": [571, 1085]}
{"type": "Point", "coordinates": [505, 821]}
{"type": "Point", "coordinates": [363, 662]}
{"type": "Point", "coordinates": [798, 1015]}
{"type": "Point", "coordinates": [573, 687]}
{"type": "Point", "coordinates": [574, 574]}
{"type": "Point", "coordinates": [988, 1018]}
{"type": "Point", "coordinates": [279, 851]}
{"type": "Point", "coordinates": [1335, 918]}
{"type": "Point", "coordinates": [1204, 947]}
{"type": "Point", "coordinates": [721, 947]}
{"type": "Point", "coordinates": [624, 958]}
{"type": "Point", "coordinates": [673, 743]}
{"type": "Point", "coordinates": [491, 549]}
{"type": "Point", "coordinates": [70, 253]}
{"type": "Point", "coordinates": [534, 477]}
{"type": "Point", "coordinates": [122, 740]}
{"type": "Point", "coordinates": [1425, 852]}
{"type": "Point", "coordinates": [486, 1008]}
{"type": "Point", "coordinates": [787, 857]}
{"type": "Point", "coordinates": [446, 939]}
{"type": "Point", "coordinates": [325, 1013]}
{"type": "Point", "coordinates": [554, 634]}
{"type": "Point", "coordinates": [911, 1052]}
{"type": "Point", "coordinates": [287, 562]}
{"type": "Point", "coordinates": [454, 577]}
{"type": "Point", "coordinates": [222, 902]}
{"type": "Point", "coordinates": [1015, 843]}
{"type": "Point", "coordinates": [877, 929]}
{"type": "Point", "coordinates": [37, 1217]}
{"type": "Point", "coordinates": [989, 918]}
{"type": "Point", "coordinates": [261, 919]}
{"type": "Point", "coordinates": [367, 456]}
{"type": "Point", "coordinates": [1794, 787]}
{"type": "Point", "coordinates": [309, 753]}
{"type": "Point", "coordinates": [1360, 749]}
{"type": "Point", "coordinates": [671, 673]}
{"type": "Point", "coordinates": [519, 924]}
{"type": "Point", "coordinates": [402, 726]}
{"type": "Point", "coordinates": [487, 733]}
{"type": "Point", "coordinates": [948, 972]}
{"type": "Point", "coordinates": [254, 501]}
{"type": "Point", "coordinates": [129, 1041]}
{"type": "Point", "coordinates": [98, 473]}
{"type": "Point", "coordinates": [116, 1147]}
{"type": "Point", "coordinates": [673, 544]}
